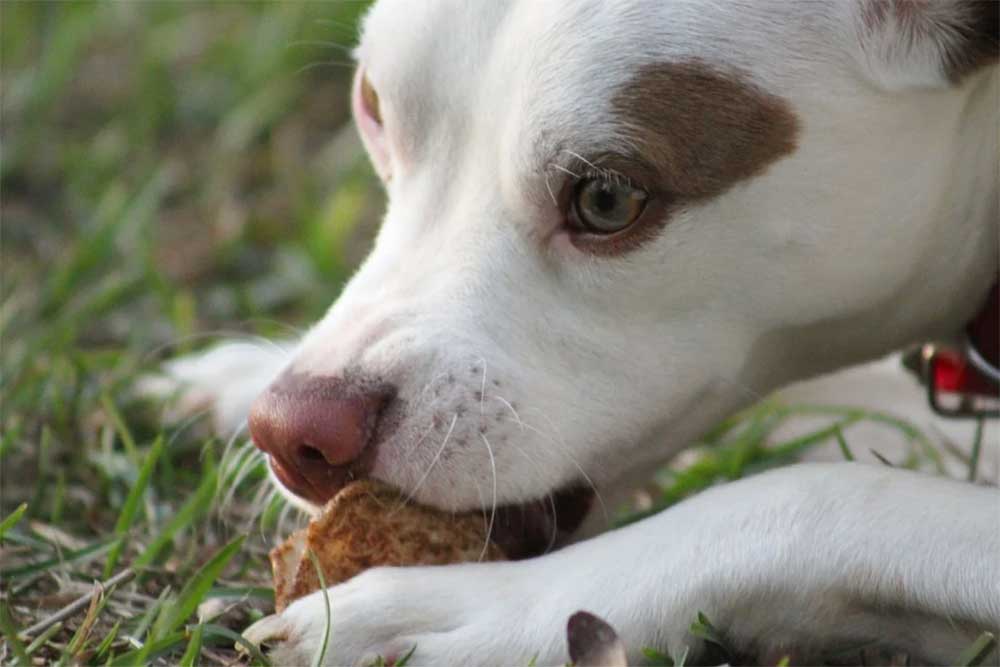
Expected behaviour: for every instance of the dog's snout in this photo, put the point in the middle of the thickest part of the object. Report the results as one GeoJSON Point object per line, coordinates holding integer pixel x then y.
{"type": "Point", "coordinates": [318, 431]}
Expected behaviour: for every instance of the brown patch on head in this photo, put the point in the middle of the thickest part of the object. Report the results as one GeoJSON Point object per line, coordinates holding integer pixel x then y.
{"type": "Point", "coordinates": [703, 129]}
{"type": "Point", "coordinates": [694, 131]}
{"type": "Point", "coordinates": [965, 32]}
{"type": "Point", "coordinates": [979, 40]}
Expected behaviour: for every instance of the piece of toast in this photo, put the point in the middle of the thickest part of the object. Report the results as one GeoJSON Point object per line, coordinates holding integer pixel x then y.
{"type": "Point", "coordinates": [368, 524]}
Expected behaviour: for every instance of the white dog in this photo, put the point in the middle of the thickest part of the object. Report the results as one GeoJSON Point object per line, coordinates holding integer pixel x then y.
{"type": "Point", "coordinates": [610, 225]}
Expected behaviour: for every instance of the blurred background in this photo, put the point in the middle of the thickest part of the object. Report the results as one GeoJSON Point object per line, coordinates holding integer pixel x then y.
{"type": "Point", "coordinates": [172, 173]}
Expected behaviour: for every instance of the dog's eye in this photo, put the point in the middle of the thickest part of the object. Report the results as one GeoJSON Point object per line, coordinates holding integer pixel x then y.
{"type": "Point", "coordinates": [601, 206]}
{"type": "Point", "coordinates": [369, 98]}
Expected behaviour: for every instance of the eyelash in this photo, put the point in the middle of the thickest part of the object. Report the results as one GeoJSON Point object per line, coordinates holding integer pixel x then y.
{"type": "Point", "coordinates": [603, 174]}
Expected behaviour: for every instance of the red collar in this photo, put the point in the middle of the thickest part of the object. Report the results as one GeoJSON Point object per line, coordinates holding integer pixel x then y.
{"type": "Point", "coordinates": [965, 381]}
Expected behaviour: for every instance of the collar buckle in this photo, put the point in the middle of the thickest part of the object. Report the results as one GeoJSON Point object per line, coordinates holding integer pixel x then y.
{"type": "Point", "coordinates": [960, 384]}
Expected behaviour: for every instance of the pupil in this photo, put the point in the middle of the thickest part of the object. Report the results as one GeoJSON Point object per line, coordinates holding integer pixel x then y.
{"type": "Point", "coordinates": [605, 200]}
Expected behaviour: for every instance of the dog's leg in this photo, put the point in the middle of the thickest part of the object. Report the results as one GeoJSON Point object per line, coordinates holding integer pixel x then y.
{"type": "Point", "coordinates": [803, 557]}
{"type": "Point", "coordinates": [222, 381]}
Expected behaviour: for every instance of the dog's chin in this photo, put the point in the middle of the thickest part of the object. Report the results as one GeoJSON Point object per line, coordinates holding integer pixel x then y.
{"type": "Point", "coordinates": [521, 530]}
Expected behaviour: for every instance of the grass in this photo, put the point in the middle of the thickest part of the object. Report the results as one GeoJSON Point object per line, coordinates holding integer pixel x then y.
{"type": "Point", "coordinates": [171, 174]}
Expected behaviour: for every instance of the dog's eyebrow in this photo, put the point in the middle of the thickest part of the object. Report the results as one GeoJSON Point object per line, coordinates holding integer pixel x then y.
{"type": "Point", "coordinates": [702, 129]}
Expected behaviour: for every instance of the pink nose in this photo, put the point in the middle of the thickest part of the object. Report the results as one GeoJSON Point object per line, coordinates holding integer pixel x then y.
{"type": "Point", "coordinates": [318, 431]}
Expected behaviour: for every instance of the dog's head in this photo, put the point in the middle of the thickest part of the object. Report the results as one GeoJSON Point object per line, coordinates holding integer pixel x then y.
{"type": "Point", "coordinates": [610, 223]}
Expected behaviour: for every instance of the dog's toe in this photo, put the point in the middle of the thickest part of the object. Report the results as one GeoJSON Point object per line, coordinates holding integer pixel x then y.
{"type": "Point", "coordinates": [268, 630]}
{"type": "Point", "coordinates": [274, 636]}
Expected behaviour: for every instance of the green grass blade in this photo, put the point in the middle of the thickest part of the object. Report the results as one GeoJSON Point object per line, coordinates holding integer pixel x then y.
{"type": "Point", "coordinates": [12, 519]}
{"type": "Point", "coordinates": [194, 591]}
{"type": "Point", "coordinates": [108, 640]}
{"type": "Point", "coordinates": [911, 432]}
{"type": "Point", "coordinates": [977, 446]}
{"type": "Point", "coordinates": [318, 659]}
{"type": "Point", "coordinates": [151, 614]}
{"type": "Point", "coordinates": [185, 517]}
{"type": "Point", "coordinates": [797, 445]}
{"type": "Point", "coordinates": [128, 440]}
{"type": "Point", "coordinates": [150, 650]}
{"type": "Point", "coordinates": [703, 629]}
{"type": "Point", "coordinates": [40, 640]}
{"type": "Point", "coordinates": [977, 652]}
{"type": "Point", "coordinates": [842, 443]}
{"type": "Point", "coordinates": [655, 658]}
{"type": "Point", "coordinates": [193, 650]}
{"type": "Point", "coordinates": [9, 631]}
{"type": "Point", "coordinates": [80, 555]}
{"type": "Point", "coordinates": [7, 441]}
{"type": "Point", "coordinates": [406, 657]}
{"type": "Point", "coordinates": [212, 630]}
{"type": "Point", "coordinates": [131, 505]}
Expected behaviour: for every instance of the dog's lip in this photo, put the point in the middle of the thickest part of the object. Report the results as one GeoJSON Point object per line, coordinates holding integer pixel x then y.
{"type": "Point", "coordinates": [293, 480]}
{"type": "Point", "coordinates": [534, 528]}
{"type": "Point", "coordinates": [521, 530]}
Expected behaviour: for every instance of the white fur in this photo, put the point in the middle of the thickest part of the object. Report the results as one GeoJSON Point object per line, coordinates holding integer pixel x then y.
{"type": "Point", "coordinates": [542, 365]}
{"type": "Point", "coordinates": [800, 557]}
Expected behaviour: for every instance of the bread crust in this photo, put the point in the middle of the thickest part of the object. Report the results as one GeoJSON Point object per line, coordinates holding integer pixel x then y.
{"type": "Point", "coordinates": [368, 524]}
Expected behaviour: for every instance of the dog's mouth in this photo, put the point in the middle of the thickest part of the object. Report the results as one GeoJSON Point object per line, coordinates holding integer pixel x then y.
{"type": "Point", "coordinates": [521, 530]}
{"type": "Point", "coordinates": [534, 528]}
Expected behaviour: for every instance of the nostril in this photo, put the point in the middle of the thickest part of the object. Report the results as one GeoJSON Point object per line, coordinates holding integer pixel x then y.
{"type": "Point", "coordinates": [319, 431]}
{"type": "Point", "coordinates": [311, 454]}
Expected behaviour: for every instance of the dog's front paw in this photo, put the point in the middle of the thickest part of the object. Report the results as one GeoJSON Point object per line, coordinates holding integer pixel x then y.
{"type": "Point", "coordinates": [455, 614]}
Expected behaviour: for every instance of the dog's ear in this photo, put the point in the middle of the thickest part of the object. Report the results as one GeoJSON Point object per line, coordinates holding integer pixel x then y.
{"type": "Point", "coordinates": [926, 43]}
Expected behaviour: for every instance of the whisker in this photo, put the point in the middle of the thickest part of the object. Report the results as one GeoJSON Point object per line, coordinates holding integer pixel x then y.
{"type": "Point", "coordinates": [324, 63]}
{"type": "Point", "coordinates": [548, 186]}
{"type": "Point", "coordinates": [227, 450]}
{"type": "Point", "coordinates": [185, 424]}
{"type": "Point", "coordinates": [261, 498]}
{"type": "Point", "coordinates": [284, 514]}
{"type": "Point", "coordinates": [430, 467]}
{"type": "Point", "coordinates": [493, 507]}
{"type": "Point", "coordinates": [271, 494]}
{"type": "Point", "coordinates": [347, 26]}
{"type": "Point", "coordinates": [269, 321]}
{"type": "Point", "coordinates": [552, 501]}
{"type": "Point", "coordinates": [555, 523]}
{"type": "Point", "coordinates": [320, 42]}
{"type": "Point", "coordinates": [479, 493]}
{"type": "Point", "coordinates": [247, 459]}
{"type": "Point", "coordinates": [252, 461]}
{"type": "Point", "coordinates": [564, 451]}
{"type": "Point", "coordinates": [430, 384]}
{"type": "Point", "coordinates": [563, 169]}
{"type": "Point", "coordinates": [482, 387]}
{"type": "Point", "coordinates": [582, 159]}
{"type": "Point", "coordinates": [511, 408]}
